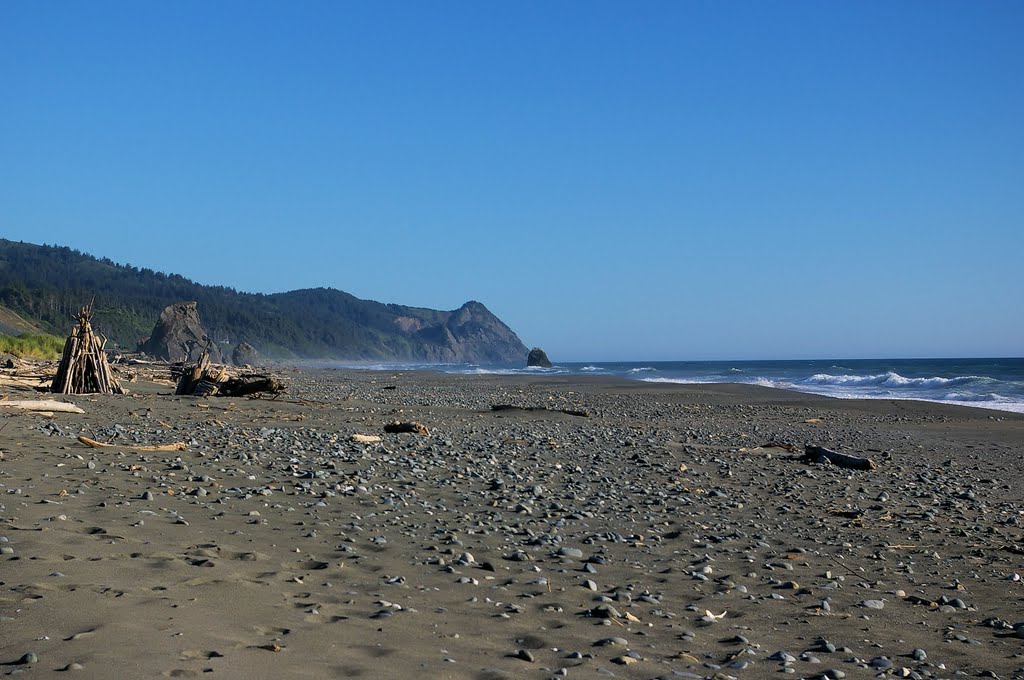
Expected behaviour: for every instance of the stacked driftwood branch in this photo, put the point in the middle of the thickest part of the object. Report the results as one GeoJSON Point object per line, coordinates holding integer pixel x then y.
{"type": "Point", "coordinates": [201, 380]}
{"type": "Point", "coordinates": [83, 366]}
{"type": "Point", "coordinates": [36, 375]}
{"type": "Point", "coordinates": [205, 379]}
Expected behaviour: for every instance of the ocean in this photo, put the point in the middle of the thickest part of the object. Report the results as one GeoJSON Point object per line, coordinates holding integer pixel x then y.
{"type": "Point", "coordinates": [984, 383]}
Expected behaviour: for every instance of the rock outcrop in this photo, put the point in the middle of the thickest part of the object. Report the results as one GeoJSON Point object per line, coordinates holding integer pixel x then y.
{"type": "Point", "coordinates": [179, 336]}
{"type": "Point", "coordinates": [470, 334]}
{"type": "Point", "coordinates": [538, 357]}
{"type": "Point", "coordinates": [244, 354]}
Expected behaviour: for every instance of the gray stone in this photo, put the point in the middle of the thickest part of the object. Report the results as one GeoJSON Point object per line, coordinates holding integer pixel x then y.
{"type": "Point", "coordinates": [525, 655]}
{"type": "Point", "coordinates": [244, 354]}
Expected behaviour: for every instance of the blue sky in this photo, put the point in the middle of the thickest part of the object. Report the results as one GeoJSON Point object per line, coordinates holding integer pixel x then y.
{"type": "Point", "coordinates": [655, 180]}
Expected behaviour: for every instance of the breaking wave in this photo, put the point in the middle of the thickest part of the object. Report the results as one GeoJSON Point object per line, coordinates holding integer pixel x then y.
{"type": "Point", "coordinates": [892, 379]}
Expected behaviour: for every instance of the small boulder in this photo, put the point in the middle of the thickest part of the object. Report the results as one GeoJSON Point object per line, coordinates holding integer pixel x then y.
{"type": "Point", "coordinates": [537, 357]}
{"type": "Point", "coordinates": [244, 354]}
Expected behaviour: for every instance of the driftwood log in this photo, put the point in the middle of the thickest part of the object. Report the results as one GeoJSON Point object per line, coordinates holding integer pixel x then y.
{"type": "Point", "coordinates": [414, 428]}
{"type": "Point", "coordinates": [815, 454]}
{"type": "Point", "coordinates": [244, 385]}
{"type": "Point", "coordinates": [567, 411]}
{"type": "Point", "coordinates": [40, 384]}
{"type": "Point", "coordinates": [47, 405]}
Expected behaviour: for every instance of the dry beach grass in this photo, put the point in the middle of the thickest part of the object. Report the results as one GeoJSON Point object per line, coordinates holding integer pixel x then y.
{"type": "Point", "coordinates": [666, 535]}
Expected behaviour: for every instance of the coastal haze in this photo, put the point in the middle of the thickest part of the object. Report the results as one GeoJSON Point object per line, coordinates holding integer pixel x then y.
{"type": "Point", "coordinates": [771, 251]}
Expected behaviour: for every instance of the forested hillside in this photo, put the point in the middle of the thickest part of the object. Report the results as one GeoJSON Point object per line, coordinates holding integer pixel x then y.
{"type": "Point", "coordinates": [48, 284]}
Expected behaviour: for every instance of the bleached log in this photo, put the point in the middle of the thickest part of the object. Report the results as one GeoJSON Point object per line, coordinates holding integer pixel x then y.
{"type": "Point", "coordinates": [175, 446]}
{"type": "Point", "coordinates": [365, 438]}
{"type": "Point", "coordinates": [40, 405]}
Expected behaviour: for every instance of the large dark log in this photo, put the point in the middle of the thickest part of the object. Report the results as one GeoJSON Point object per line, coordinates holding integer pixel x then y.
{"type": "Point", "coordinates": [815, 454]}
{"type": "Point", "coordinates": [250, 384]}
{"type": "Point", "coordinates": [566, 411]}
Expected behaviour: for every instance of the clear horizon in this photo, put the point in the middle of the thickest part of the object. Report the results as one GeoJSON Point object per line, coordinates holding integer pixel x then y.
{"type": "Point", "coordinates": [666, 180]}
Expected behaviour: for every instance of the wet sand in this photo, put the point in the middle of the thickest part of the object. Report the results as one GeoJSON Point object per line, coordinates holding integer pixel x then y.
{"type": "Point", "coordinates": [667, 534]}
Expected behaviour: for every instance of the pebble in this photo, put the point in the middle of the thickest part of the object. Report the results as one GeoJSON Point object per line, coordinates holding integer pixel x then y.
{"type": "Point", "coordinates": [605, 611]}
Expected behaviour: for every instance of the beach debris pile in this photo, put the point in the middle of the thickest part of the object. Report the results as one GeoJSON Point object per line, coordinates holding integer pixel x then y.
{"type": "Point", "coordinates": [204, 379]}
{"type": "Point", "coordinates": [83, 367]}
{"type": "Point", "coordinates": [35, 375]}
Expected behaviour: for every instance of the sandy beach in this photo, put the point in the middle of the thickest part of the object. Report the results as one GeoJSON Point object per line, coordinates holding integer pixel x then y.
{"type": "Point", "coordinates": [603, 528]}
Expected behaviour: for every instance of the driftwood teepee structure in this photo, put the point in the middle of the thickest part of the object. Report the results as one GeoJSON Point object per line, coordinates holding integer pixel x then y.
{"type": "Point", "coordinates": [83, 366]}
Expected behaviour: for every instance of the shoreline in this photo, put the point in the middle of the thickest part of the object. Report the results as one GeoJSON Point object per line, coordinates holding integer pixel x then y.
{"type": "Point", "coordinates": [865, 385]}
{"type": "Point", "coordinates": [668, 533]}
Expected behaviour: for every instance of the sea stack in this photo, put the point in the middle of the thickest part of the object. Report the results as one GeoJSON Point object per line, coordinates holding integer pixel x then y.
{"type": "Point", "coordinates": [538, 357]}
{"type": "Point", "coordinates": [179, 336]}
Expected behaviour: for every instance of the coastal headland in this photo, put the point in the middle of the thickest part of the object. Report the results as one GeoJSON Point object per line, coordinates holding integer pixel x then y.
{"type": "Point", "coordinates": [592, 528]}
